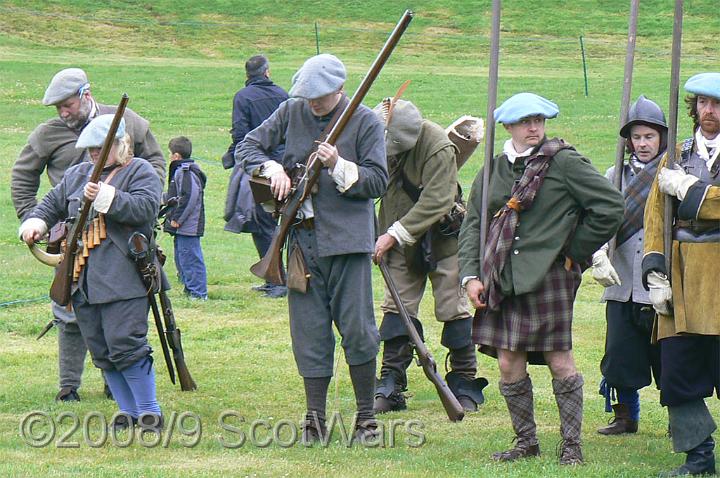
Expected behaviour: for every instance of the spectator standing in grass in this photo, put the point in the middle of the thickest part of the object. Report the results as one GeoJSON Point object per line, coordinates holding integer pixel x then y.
{"type": "Point", "coordinates": [185, 221]}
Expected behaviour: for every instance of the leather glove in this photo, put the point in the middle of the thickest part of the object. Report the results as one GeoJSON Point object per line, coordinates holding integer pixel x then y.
{"type": "Point", "coordinates": [675, 182]}
{"type": "Point", "coordinates": [603, 271]}
{"type": "Point", "coordinates": [660, 293]}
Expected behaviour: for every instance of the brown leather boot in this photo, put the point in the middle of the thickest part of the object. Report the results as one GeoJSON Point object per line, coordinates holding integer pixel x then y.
{"type": "Point", "coordinates": [620, 423]}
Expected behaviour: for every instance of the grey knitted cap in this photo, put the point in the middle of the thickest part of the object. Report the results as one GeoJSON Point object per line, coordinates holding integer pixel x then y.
{"type": "Point", "coordinates": [319, 76]}
{"type": "Point", "coordinates": [65, 83]}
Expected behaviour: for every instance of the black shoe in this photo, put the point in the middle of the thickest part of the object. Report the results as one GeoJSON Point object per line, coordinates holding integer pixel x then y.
{"type": "Point", "coordinates": [313, 432]}
{"type": "Point", "coordinates": [150, 422]}
{"type": "Point", "coordinates": [394, 403]}
{"type": "Point", "coordinates": [700, 461]}
{"type": "Point", "coordinates": [67, 394]}
{"type": "Point", "coordinates": [120, 422]}
{"type": "Point", "coordinates": [366, 433]}
{"type": "Point", "coordinates": [262, 288]}
{"type": "Point", "coordinates": [276, 292]}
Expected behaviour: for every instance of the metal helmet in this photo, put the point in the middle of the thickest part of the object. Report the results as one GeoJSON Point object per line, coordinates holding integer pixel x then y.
{"type": "Point", "coordinates": [643, 111]}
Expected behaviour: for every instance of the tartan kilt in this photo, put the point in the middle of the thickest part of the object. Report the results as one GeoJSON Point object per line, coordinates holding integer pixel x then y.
{"type": "Point", "coordinates": [539, 321]}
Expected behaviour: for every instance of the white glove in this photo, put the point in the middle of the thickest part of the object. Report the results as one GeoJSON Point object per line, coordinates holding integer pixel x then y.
{"type": "Point", "coordinates": [675, 182]}
{"type": "Point", "coordinates": [660, 293]}
{"type": "Point", "coordinates": [603, 271]}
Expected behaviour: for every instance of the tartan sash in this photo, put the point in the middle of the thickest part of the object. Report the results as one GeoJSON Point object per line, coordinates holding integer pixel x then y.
{"type": "Point", "coordinates": [503, 224]}
{"type": "Point", "coordinates": [636, 194]}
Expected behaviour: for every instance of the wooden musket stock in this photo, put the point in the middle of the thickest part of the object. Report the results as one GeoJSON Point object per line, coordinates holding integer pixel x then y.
{"type": "Point", "coordinates": [452, 407]}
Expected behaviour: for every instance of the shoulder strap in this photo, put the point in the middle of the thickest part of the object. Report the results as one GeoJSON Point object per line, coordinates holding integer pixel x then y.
{"type": "Point", "coordinates": [686, 149]}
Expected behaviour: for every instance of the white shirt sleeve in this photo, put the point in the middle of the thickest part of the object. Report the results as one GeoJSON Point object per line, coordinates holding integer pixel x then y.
{"type": "Point", "coordinates": [345, 174]}
{"type": "Point", "coordinates": [104, 198]}
{"type": "Point", "coordinates": [33, 223]}
{"type": "Point", "coordinates": [401, 235]}
{"type": "Point", "coordinates": [269, 168]}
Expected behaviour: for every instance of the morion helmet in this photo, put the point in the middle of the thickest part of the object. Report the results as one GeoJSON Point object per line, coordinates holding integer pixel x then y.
{"type": "Point", "coordinates": [643, 111]}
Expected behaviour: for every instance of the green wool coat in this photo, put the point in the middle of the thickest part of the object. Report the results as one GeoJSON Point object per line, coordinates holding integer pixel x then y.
{"type": "Point", "coordinates": [431, 166]}
{"type": "Point", "coordinates": [575, 211]}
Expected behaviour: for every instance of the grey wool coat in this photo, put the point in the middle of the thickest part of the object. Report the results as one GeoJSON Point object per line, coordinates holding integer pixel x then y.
{"type": "Point", "coordinates": [109, 274]}
{"type": "Point", "coordinates": [344, 222]}
{"type": "Point", "coordinates": [51, 147]}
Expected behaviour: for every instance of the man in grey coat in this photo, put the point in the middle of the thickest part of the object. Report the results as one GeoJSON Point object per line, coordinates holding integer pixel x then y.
{"type": "Point", "coordinates": [334, 232]}
{"type": "Point", "coordinates": [51, 148]}
{"type": "Point", "coordinates": [630, 356]}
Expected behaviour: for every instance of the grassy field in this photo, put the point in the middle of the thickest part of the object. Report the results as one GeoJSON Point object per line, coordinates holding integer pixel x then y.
{"type": "Point", "coordinates": [181, 62]}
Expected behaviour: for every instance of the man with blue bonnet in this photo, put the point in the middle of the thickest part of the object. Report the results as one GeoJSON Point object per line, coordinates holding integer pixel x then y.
{"type": "Point", "coordinates": [251, 106]}
{"type": "Point", "coordinates": [108, 295]}
{"type": "Point", "coordinates": [550, 209]}
{"type": "Point", "coordinates": [333, 237]}
{"type": "Point", "coordinates": [631, 360]}
{"type": "Point", "coordinates": [686, 297]}
{"type": "Point", "coordinates": [51, 147]}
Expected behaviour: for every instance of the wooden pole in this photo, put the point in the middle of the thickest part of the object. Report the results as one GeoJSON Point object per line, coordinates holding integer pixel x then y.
{"type": "Point", "coordinates": [625, 103]}
{"type": "Point", "coordinates": [490, 122]}
{"type": "Point", "coordinates": [672, 127]}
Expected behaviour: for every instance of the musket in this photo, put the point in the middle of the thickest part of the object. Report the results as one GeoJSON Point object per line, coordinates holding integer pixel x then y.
{"type": "Point", "coordinates": [452, 407]}
{"type": "Point", "coordinates": [270, 267]}
{"type": "Point", "coordinates": [62, 283]}
{"type": "Point", "coordinates": [174, 341]}
{"type": "Point", "coordinates": [46, 329]}
{"type": "Point", "coordinates": [672, 129]}
{"type": "Point", "coordinates": [139, 250]}
{"type": "Point", "coordinates": [490, 123]}
{"type": "Point", "coordinates": [625, 105]}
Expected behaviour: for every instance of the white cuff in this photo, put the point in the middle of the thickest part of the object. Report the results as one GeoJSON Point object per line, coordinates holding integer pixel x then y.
{"type": "Point", "coordinates": [33, 223]}
{"type": "Point", "coordinates": [467, 279]}
{"type": "Point", "coordinates": [596, 257]}
{"type": "Point", "coordinates": [345, 174]}
{"type": "Point", "coordinates": [269, 168]}
{"type": "Point", "coordinates": [684, 185]}
{"type": "Point", "coordinates": [401, 235]}
{"type": "Point", "coordinates": [104, 198]}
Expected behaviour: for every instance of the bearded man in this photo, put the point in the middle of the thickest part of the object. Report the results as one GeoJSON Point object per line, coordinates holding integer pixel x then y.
{"type": "Point", "coordinates": [51, 147]}
{"type": "Point", "coordinates": [686, 298]}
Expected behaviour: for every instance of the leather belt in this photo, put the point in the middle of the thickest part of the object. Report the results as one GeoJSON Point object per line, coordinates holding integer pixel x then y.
{"type": "Point", "coordinates": [308, 224]}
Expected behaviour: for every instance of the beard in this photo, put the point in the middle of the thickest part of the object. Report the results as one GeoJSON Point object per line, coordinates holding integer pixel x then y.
{"type": "Point", "coordinates": [78, 121]}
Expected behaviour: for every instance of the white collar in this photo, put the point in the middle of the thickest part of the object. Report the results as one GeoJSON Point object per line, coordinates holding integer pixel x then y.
{"type": "Point", "coordinates": [703, 144]}
{"type": "Point", "coordinates": [509, 150]}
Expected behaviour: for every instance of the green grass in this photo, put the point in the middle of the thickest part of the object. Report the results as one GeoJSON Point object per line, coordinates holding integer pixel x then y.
{"type": "Point", "coordinates": [181, 63]}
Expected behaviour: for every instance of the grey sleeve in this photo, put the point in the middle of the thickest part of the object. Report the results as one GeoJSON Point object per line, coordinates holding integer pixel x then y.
{"type": "Point", "coordinates": [140, 203]}
{"type": "Point", "coordinates": [25, 180]}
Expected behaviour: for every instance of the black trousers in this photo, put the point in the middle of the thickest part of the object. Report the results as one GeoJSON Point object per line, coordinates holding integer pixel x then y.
{"type": "Point", "coordinates": [630, 358]}
{"type": "Point", "coordinates": [690, 368]}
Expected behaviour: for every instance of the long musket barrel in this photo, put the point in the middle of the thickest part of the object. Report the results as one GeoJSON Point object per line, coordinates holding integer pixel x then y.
{"type": "Point", "coordinates": [270, 267]}
{"type": "Point", "coordinates": [490, 123]}
{"type": "Point", "coordinates": [62, 284]}
{"type": "Point", "coordinates": [452, 407]}
{"type": "Point", "coordinates": [672, 128]}
{"type": "Point", "coordinates": [625, 104]}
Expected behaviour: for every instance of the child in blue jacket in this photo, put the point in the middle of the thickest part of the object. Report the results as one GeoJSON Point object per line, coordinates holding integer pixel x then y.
{"type": "Point", "coordinates": [186, 219]}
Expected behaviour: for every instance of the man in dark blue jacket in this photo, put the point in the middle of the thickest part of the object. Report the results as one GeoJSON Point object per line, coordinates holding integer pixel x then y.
{"type": "Point", "coordinates": [251, 106]}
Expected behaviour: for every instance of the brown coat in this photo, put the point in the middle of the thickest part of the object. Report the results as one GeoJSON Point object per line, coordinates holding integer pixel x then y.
{"type": "Point", "coordinates": [695, 267]}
